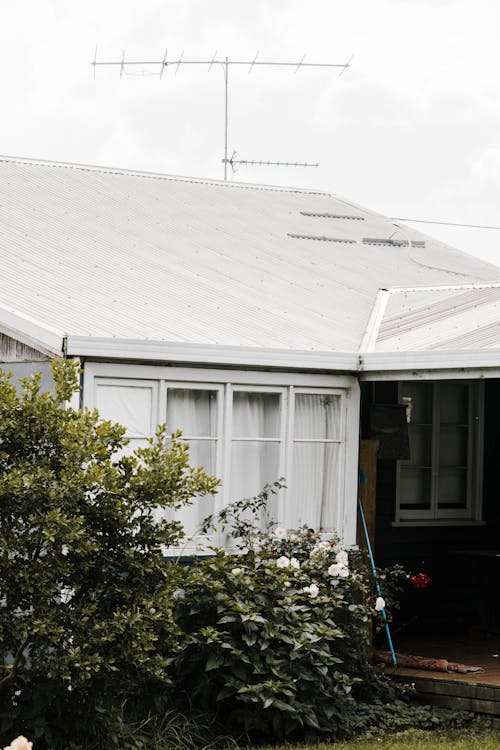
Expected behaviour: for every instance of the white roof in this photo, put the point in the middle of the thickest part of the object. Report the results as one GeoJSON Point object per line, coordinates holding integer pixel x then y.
{"type": "Point", "coordinates": [441, 318]}
{"type": "Point", "coordinates": [101, 256]}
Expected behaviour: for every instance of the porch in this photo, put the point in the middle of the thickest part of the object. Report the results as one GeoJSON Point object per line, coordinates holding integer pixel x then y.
{"type": "Point", "coordinates": [478, 692]}
{"type": "Point", "coordinates": [457, 617]}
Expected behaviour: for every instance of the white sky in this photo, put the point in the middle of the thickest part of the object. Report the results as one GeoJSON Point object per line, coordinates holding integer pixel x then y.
{"type": "Point", "coordinates": [411, 130]}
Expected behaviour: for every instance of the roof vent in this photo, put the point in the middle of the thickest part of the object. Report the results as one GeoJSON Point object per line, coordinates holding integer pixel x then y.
{"type": "Point", "coordinates": [321, 239]}
{"type": "Point", "coordinates": [385, 241]}
{"type": "Point", "coordinates": [332, 216]}
{"type": "Point", "coordinates": [388, 242]}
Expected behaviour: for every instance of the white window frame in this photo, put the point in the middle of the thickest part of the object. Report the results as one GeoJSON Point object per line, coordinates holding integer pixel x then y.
{"type": "Point", "coordinates": [230, 438]}
{"type": "Point", "coordinates": [226, 382]}
{"type": "Point", "coordinates": [472, 513]}
{"type": "Point", "coordinates": [340, 478]}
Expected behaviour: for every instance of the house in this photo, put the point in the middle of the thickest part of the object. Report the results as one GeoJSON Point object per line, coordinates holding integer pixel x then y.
{"type": "Point", "coordinates": [267, 323]}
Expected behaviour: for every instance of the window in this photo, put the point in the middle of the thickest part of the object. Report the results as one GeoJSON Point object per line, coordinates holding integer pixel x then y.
{"type": "Point", "coordinates": [246, 432]}
{"type": "Point", "coordinates": [316, 454]}
{"type": "Point", "coordinates": [441, 483]}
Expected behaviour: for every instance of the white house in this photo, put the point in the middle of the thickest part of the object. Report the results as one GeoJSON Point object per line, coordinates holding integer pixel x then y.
{"type": "Point", "coordinates": [252, 318]}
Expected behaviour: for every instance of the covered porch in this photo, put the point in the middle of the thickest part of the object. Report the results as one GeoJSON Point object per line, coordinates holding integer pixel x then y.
{"type": "Point", "coordinates": [433, 507]}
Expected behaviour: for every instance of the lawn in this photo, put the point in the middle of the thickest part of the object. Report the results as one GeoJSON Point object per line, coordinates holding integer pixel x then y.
{"type": "Point", "coordinates": [480, 738]}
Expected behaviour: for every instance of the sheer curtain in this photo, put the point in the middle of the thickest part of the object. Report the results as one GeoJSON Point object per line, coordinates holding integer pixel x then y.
{"type": "Point", "coordinates": [130, 406]}
{"type": "Point", "coordinates": [255, 447]}
{"type": "Point", "coordinates": [313, 495]}
{"type": "Point", "coordinates": [194, 412]}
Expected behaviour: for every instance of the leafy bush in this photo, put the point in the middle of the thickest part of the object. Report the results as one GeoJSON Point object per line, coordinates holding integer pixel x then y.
{"type": "Point", "coordinates": [85, 609]}
{"type": "Point", "coordinates": [273, 639]}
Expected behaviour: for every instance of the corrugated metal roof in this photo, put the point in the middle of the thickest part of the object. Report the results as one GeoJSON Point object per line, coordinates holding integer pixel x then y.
{"type": "Point", "coordinates": [448, 318]}
{"type": "Point", "coordinates": [112, 253]}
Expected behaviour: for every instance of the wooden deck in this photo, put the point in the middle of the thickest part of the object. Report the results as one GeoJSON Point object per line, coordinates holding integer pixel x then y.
{"type": "Point", "coordinates": [478, 692]}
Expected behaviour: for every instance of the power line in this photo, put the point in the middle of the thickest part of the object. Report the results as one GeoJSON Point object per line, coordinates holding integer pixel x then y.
{"type": "Point", "coordinates": [446, 223]}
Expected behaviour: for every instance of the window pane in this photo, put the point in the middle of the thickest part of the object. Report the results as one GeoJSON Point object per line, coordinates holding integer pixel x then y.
{"type": "Point", "coordinates": [454, 400]}
{"type": "Point", "coordinates": [192, 411]}
{"type": "Point", "coordinates": [201, 453]}
{"type": "Point", "coordinates": [452, 488]}
{"type": "Point", "coordinates": [190, 516]}
{"type": "Point", "coordinates": [420, 446]}
{"type": "Point", "coordinates": [317, 416]}
{"type": "Point", "coordinates": [421, 401]}
{"type": "Point", "coordinates": [129, 405]}
{"type": "Point", "coordinates": [253, 464]}
{"type": "Point", "coordinates": [256, 414]}
{"type": "Point", "coordinates": [452, 446]}
{"type": "Point", "coordinates": [415, 488]}
{"type": "Point", "coordinates": [313, 496]}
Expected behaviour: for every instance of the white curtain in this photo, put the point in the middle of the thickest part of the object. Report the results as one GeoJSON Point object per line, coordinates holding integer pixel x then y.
{"type": "Point", "coordinates": [314, 490]}
{"type": "Point", "coordinates": [131, 406]}
{"type": "Point", "coordinates": [255, 449]}
{"type": "Point", "coordinates": [194, 411]}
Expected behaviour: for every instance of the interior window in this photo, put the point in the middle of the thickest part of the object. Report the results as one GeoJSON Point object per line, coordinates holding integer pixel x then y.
{"type": "Point", "coordinates": [440, 481]}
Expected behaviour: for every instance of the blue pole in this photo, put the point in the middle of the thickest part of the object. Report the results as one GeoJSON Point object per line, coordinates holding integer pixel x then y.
{"type": "Point", "coordinates": [374, 573]}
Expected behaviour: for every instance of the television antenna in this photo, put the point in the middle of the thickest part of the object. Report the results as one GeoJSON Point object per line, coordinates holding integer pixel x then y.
{"type": "Point", "coordinates": [234, 162]}
{"type": "Point", "coordinates": [224, 63]}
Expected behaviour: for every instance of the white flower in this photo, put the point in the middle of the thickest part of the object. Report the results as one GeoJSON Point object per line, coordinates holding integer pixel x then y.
{"type": "Point", "coordinates": [279, 532]}
{"type": "Point", "coordinates": [324, 545]}
{"type": "Point", "coordinates": [20, 743]}
{"type": "Point", "coordinates": [344, 572]}
{"type": "Point", "coordinates": [283, 562]}
{"type": "Point", "coordinates": [287, 584]}
{"type": "Point", "coordinates": [237, 571]}
{"type": "Point", "coordinates": [334, 569]}
{"type": "Point", "coordinates": [312, 590]}
{"type": "Point", "coordinates": [379, 604]}
{"type": "Point", "coordinates": [341, 557]}
{"type": "Point", "coordinates": [294, 563]}
{"type": "Point", "coordinates": [294, 538]}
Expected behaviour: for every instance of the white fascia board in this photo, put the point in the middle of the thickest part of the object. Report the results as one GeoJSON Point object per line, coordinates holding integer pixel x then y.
{"type": "Point", "coordinates": [209, 354]}
{"type": "Point", "coordinates": [31, 332]}
{"type": "Point", "coordinates": [367, 365]}
{"type": "Point", "coordinates": [459, 361]}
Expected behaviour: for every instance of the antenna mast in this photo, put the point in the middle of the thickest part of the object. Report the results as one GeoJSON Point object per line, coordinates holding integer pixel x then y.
{"type": "Point", "coordinates": [225, 63]}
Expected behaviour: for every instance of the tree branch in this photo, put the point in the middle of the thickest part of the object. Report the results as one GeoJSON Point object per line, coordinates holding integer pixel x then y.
{"type": "Point", "coordinates": [10, 676]}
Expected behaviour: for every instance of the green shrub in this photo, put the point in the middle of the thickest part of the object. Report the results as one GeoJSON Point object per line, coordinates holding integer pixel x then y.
{"type": "Point", "coordinates": [85, 609]}
{"type": "Point", "coordinates": [273, 638]}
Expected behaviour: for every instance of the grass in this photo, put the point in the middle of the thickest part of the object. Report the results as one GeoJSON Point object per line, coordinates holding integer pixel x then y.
{"type": "Point", "coordinates": [479, 738]}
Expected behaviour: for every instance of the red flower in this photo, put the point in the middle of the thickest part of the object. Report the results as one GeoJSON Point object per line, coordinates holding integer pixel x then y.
{"type": "Point", "coordinates": [420, 580]}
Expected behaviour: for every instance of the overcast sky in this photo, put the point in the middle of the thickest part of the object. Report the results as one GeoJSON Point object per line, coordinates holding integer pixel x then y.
{"type": "Point", "coordinates": [412, 129]}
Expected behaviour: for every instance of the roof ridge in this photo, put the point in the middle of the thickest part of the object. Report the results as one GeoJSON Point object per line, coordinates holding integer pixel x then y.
{"type": "Point", "coordinates": [160, 176]}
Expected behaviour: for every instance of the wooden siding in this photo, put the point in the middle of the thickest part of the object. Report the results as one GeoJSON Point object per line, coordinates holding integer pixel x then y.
{"type": "Point", "coordinates": [12, 350]}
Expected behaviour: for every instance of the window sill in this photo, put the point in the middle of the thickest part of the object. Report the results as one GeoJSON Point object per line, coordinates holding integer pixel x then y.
{"type": "Point", "coordinates": [438, 522]}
